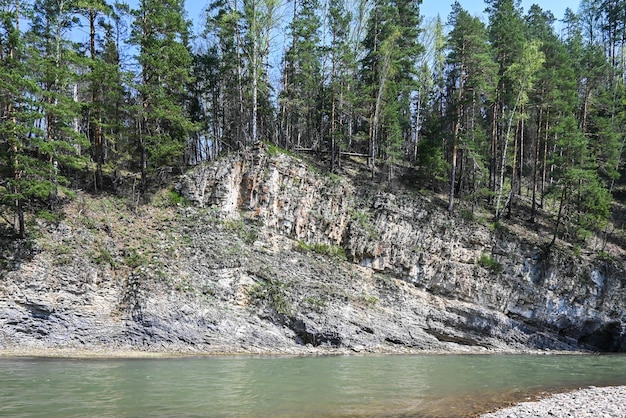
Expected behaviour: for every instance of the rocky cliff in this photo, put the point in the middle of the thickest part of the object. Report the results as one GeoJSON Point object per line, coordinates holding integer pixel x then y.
{"type": "Point", "coordinates": [273, 255]}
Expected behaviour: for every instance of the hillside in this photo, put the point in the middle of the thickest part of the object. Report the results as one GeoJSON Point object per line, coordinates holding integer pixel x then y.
{"type": "Point", "coordinates": [263, 252]}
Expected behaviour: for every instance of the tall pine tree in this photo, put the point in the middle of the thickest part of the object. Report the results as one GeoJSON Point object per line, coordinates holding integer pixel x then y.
{"type": "Point", "coordinates": [160, 32]}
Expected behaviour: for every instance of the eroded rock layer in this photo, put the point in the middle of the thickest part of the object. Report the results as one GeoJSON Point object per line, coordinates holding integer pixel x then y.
{"type": "Point", "coordinates": [272, 255]}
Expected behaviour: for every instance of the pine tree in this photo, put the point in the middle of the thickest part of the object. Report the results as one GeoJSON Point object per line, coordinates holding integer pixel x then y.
{"type": "Point", "coordinates": [470, 73]}
{"type": "Point", "coordinates": [342, 84]}
{"type": "Point", "coordinates": [554, 94]}
{"type": "Point", "coordinates": [260, 18]}
{"type": "Point", "coordinates": [301, 96]}
{"type": "Point", "coordinates": [204, 107]}
{"type": "Point", "coordinates": [39, 142]}
{"type": "Point", "coordinates": [523, 74]}
{"type": "Point", "coordinates": [17, 168]}
{"type": "Point", "coordinates": [392, 47]}
{"type": "Point", "coordinates": [583, 200]}
{"type": "Point", "coordinates": [224, 28]}
{"type": "Point", "coordinates": [113, 101]}
{"type": "Point", "coordinates": [94, 12]}
{"type": "Point", "coordinates": [160, 32]}
{"type": "Point", "coordinates": [56, 65]}
{"type": "Point", "coordinates": [506, 33]}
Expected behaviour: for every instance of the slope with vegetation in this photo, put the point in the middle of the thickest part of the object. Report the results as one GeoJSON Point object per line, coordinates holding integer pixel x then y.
{"type": "Point", "coordinates": [519, 125]}
{"type": "Point", "coordinates": [264, 252]}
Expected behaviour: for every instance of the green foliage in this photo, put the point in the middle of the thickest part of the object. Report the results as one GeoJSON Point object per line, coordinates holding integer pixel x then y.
{"type": "Point", "coordinates": [503, 110]}
{"type": "Point", "coordinates": [467, 215]}
{"type": "Point", "coordinates": [365, 223]}
{"type": "Point", "coordinates": [314, 303]}
{"type": "Point", "coordinates": [169, 198]}
{"type": "Point", "coordinates": [333, 251]}
{"type": "Point", "coordinates": [497, 226]}
{"type": "Point", "coordinates": [274, 150]}
{"type": "Point", "coordinates": [490, 264]}
{"type": "Point", "coordinates": [134, 258]}
{"type": "Point", "coordinates": [50, 217]}
{"type": "Point", "coordinates": [431, 150]}
{"type": "Point", "coordinates": [368, 300]}
{"type": "Point", "coordinates": [248, 233]}
{"type": "Point", "coordinates": [334, 178]}
{"type": "Point", "coordinates": [63, 252]}
{"type": "Point", "coordinates": [273, 292]}
{"type": "Point", "coordinates": [160, 32]}
{"type": "Point", "coordinates": [103, 256]}
{"type": "Point", "coordinates": [388, 69]}
{"type": "Point", "coordinates": [605, 256]}
{"type": "Point", "coordinates": [303, 71]}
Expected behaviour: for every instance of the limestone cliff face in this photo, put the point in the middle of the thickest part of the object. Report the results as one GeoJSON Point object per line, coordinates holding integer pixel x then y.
{"type": "Point", "coordinates": [579, 301]}
{"type": "Point", "coordinates": [279, 190]}
{"type": "Point", "coordinates": [274, 256]}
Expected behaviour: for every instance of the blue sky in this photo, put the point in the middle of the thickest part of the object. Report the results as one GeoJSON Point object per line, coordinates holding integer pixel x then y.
{"type": "Point", "coordinates": [432, 8]}
{"type": "Point", "coordinates": [429, 9]}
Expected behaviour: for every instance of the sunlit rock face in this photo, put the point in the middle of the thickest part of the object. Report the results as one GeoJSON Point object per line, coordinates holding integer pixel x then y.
{"type": "Point", "coordinates": [273, 255]}
{"type": "Point", "coordinates": [553, 297]}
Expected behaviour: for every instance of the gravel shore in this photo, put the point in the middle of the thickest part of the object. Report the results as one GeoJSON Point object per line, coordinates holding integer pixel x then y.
{"type": "Point", "coordinates": [594, 402]}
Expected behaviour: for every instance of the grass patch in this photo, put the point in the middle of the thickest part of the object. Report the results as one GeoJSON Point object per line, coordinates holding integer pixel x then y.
{"type": "Point", "coordinates": [314, 303]}
{"type": "Point", "coordinates": [333, 251]}
{"type": "Point", "coordinates": [368, 300]}
{"type": "Point", "coordinates": [274, 293]}
{"type": "Point", "coordinates": [248, 234]}
{"type": "Point", "coordinates": [134, 259]}
{"type": "Point", "coordinates": [467, 215]}
{"type": "Point", "coordinates": [605, 256]}
{"type": "Point", "coordinates": [334, 178]}
{"type": "Point", "coordinates": [169, 198]}
{"type": "Point", "coordinates": [273, 150]}
{"type": "Point", "coordinates": [103, 256]}
{"type": "Point", "coordinates": [63, 253]}
{"type": "Point", "coordinates": [365, 223]}
{"type": "Point", "coordinates": [53, 218]}
{"type": "Point", "coordinates": [490, 264]}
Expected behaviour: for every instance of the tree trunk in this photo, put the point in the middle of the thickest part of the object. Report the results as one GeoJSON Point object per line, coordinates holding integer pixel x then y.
{"type": "Point", "coordinates": [513, 175]}
{"type": "Point", "coordinates": [533, 208]}
{"type": "Point", "coordinates": [455, 140]}
{"type": "Point", "coordinates": [94, 120]}
{"type": "Point", "coordinates": [544, 168]}
{"type": "Point", "coordinates": [504, 150]}
{"type": "Point", "coordinates": [255, 90]}
{"type": "Point", "coordinates": [559, 217]}
{"type": "Point", "coordinates": [493, 150]}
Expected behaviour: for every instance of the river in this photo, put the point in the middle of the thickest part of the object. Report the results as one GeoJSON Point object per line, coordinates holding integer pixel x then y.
{"type": "Point", "coordinates": [329, 386]}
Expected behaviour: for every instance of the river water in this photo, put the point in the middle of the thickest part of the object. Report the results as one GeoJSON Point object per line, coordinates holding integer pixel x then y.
{"type": "Point", "coordinates": [333, 386]}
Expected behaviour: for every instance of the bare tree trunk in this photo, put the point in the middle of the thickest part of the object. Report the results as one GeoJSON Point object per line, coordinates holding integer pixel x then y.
{"type": "Point", "coordinates": [520, 165]}
{"type": "Point", "coordinates": [533, 208]}
{"type": "Point", "coordinates": [239, 137]}
{"type": "Point", "coordinates": [559, 217]}
{"type": "Point", "coordinates": [455, 140]}
{"type": "Point", "coordinates": [494, 150]}
{"type": "Point", "coordinates": [255, 92]}
{"type": "Point", "coordinates": [544, 168]}
{"type": "Point", "coordinates": [94, 121]}
{"type": "Point", "coordinates": [504, 150]}
{"type": "Point", "coordinates": [377, 109]}
{"type": "Point", "coordinates": [513, 174]}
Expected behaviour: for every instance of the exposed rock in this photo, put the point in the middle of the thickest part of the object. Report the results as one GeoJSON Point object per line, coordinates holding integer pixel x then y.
{"type": "Point", "coordinates": [257, 264]}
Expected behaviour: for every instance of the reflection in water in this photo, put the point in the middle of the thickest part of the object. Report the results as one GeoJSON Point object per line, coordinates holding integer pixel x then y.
{"type": "Point", "coordinates": [415, 386]}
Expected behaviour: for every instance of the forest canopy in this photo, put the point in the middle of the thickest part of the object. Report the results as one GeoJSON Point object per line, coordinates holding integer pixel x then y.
{"type": "Point", "coordinates": [494, 113]}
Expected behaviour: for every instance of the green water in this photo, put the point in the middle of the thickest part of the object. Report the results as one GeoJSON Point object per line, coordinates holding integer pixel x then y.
{"type": "Point", "coordinates": [355, 386]}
